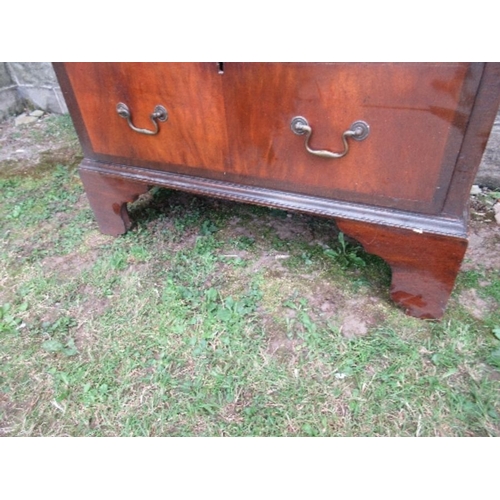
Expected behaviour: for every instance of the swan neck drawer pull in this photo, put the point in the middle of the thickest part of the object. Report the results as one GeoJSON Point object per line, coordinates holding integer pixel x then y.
{"type": "Point", "coordinates": [358, 131]}
{"type": "Point", "coordinates": [159, 113]}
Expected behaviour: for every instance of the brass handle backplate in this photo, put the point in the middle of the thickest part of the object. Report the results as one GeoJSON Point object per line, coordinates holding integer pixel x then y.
{"type": "Point", "coordinates": [358, 131]}
{"type": "Point", "coordinates": [159, 113]}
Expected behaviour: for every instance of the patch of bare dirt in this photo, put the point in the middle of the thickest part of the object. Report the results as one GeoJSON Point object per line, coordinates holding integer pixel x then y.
{"type": "Point", "coordinates": [476, 306]}
{"type": "Point", "coordinates": [484, 243]}
{"type": "Point", "coordinates": [7, 412]}
{"type": "Point", "coordinates": [93, 306]}
{"type": "Point", "coordinates": [280, 345]}
{"type": "Point", "coordinates": [354, 326]}
{"type": "Point", "coordinates": [483, 202]}
{"type": "Point", "coordinates": [270, 263]}
{"type": "Point", "coordinates": [11, 412]}
{"type": "Point", "coordinates": [238, 229]}
{"type": "Point", "coordinates": [26, 147]}
{"type": "Point", "coordinates": [359, 315]}
{"type": "Point", "coordinates": [96, 239]}
{"type": "Point", "coordinates": [283, 348]}
{"type": "Point", "coordinates": [291, 228]}
{"type": "Point", "coordinates": [328, 300]}
{"type": "Point", "coordinates": [354, 316]}
{"type": "Point", "coordinates": [69, 265]}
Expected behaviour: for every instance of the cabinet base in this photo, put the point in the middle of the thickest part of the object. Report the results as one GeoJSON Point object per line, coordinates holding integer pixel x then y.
{"type": "Point", "coordinates": [108, 197]}
{"type": "Point", "coordinates": [424, 252]}
{"type": "Point", "coordinates": [424, 266]}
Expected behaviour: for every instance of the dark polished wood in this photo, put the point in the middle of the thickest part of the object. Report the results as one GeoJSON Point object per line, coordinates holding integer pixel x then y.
{"type": "Point", "coordinates": [191, 93]}
{"type": "Point", "coordinates": [417, 114]}
{"type": "Point", "coordinates": [108, 198]}
{"type": "Point", "coordinates": [424, 265]}
{"type": "Point", "coordinates": [313, 205]}
{"type": "Point", "coordinates": [402, 192]}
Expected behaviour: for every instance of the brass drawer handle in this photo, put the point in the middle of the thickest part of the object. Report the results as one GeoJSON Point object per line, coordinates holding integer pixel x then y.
{"type": "Point", "coordinates": [359, 131]}
{"type": "Point", "coordinates": [159, 113]}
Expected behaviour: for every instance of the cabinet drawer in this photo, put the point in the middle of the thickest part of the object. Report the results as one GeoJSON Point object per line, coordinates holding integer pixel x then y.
{"type": "Point", "coordinates": [235, 126]}
{"type": "Point", "coordinates": [194, 134]}
{"type": "Point", "coordinates": [417, 115]}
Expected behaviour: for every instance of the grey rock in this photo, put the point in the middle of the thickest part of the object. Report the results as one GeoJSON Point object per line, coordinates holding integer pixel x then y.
{"type": "Point", "coordinates": [42, 98]}
{"type": "Point", "coordinates": [9, 99]}
{"type": "Point", "coordinates": [489, 170]}
{"type": "Point", "coordinates": [32, 84]}
{"type": "Point", "coordinates": [5, 79]}
{"type": "Point", "coordinates": [61, 102]}
{"type": "Point", "coordinates": [37, 113]}
{"type": "Point", "coordinates": [496, 208]}
{"type": "Point", "coordinates": [33, 73]}
{"type": "Point", "coordinates": [10, 104]}
{"type": "Point", "coordinates": [475, 189]}
{"type": "Point", "coordinates": [24, 120]}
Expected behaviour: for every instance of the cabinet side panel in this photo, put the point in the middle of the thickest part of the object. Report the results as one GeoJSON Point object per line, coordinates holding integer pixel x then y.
{"type": "Point", "coordinates": [476, 138]}
{"type": "Point", "coordinates": [74, 111]}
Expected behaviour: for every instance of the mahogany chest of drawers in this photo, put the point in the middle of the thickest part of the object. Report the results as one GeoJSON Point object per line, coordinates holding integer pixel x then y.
{"type": "Point", "coordinates": [389, 150]}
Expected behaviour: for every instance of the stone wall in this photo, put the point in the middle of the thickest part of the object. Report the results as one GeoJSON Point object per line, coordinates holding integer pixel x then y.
{"type": "Point", "coordinates": [489, 171]}
{"type": "Point", "coordinates": [35, 84]}
{"type": "Point", "coordinates": [29, 84]}
{"type": "Point", "coordinates": [10, 103]}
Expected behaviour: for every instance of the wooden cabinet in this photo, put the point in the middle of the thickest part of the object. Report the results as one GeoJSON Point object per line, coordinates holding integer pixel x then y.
{"type": "Point", "coordinates": [389, 150]}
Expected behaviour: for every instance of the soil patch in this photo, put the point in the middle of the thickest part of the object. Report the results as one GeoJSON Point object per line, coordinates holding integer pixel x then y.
{"type": "Point", "coordinates": [291, 228]}
{"type": "Point", "coordinates": [37, 146]}
{"type": "Point", "coordinates": [477, 307]}
{"type": "Point", "coordinates": [280, 345]}
{"type": "Point", "coordinates": [354, 316]}
{"type": "Point", "coordinates": [69, 265]}
{"type": "Point", "coordinates": [484, 242]}
{"type": "Point", "coordinates": [7, 413]}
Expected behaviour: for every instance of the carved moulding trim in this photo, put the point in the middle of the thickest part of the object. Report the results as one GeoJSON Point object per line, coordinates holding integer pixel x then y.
{"type": "Point", "coordinates": [283, 200]}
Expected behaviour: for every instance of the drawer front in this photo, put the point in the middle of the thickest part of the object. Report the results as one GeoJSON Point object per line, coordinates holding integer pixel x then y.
{"type": "Point", "coordinates": [235, 125]}
{"type": "Point", "coordinates": [417, 114]}
{"type": "Point", "coordinates": [194, 134]}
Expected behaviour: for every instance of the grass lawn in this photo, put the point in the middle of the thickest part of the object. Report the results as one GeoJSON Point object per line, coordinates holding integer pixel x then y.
{"type": "Point", "coordinates": [213, 318]}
